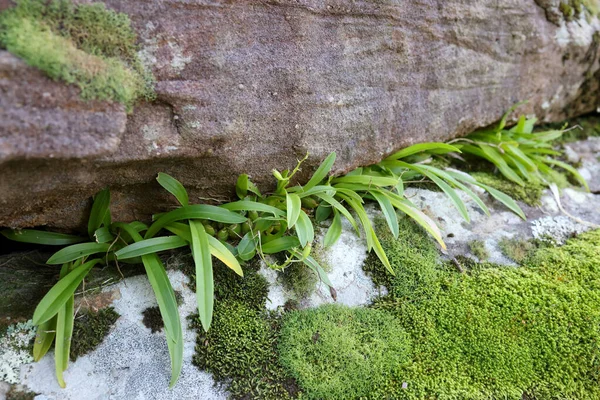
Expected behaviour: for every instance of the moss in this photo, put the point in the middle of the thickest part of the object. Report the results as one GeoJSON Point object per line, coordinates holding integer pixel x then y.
{"type": "Point", "coordinates": [478, 249]}
{"type": "Point", "coordinates": [517, 249]}
{"type": "Point", "coordinates": [299, 280]}
{"type": "Point", "coordinates": [337, 352]}
{"type": "Point", "coordinates": [86, 45]}
{"type": "Point", "coordinates": [152, 319]}
{"type": "Point", "coordinates": [90, 329]}
{"type": "Point", "coordinates": [240, 348]}
{"type": "Point", "coordinates": [530, 194]}
{"type": "Point", "coordinates": [413, 256]}
{"type": "Point", "coordinates": [494, 333]}
{"type": "Point", "coordinates": [17, 394]}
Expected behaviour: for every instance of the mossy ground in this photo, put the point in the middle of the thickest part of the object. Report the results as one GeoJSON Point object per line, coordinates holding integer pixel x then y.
{"type": "Point", "coordinates": [240, 346]}
{"type": "Point", "coordinates": [530, 194]}
{"type": "Point", "coordinates": [86, 45]}
{"type": "Point", "coordinates": [477, 248]}
{"type": "Point", "coordinates": [491, 333]}
{"type": "Point", "coordinates": [90, 329]}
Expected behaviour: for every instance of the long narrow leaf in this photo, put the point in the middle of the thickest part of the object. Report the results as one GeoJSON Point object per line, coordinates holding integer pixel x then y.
{"type": "Point", "coordinates": [439, 148]}
{"type": "Point", "coordinates": [41, 237]}
{"type": "Point", "coordinates": [388, 211]}
{"type": "Point", "coordinates": [280, 244]}
{"type": "Point", "coordinates": [174, 187]}
{"type": "Point", "coordinates": [570, 169]}
{"type": "Point", "coordinates": [196, 211]}
{"type": "Point", "coordinates": [504, 199]}
{"type": "Point", "coordinates": [321, 172]}
{"type": "Point", "coordinates": [76, 251]}
{"type": "Point", "coordinates": [334, 231]}
{"type": "Point", "coordinates": [148, 246]}
{"type": "Point", "coordinates": [204, 273]}
{"type": "Point", "coordinates": [245, 205]}
{"type": "Point", "coordinates": [43, 338]}
{"type": "Point", "coordinates": [100, 211]}
{"type": "Point", "coordinates": [367, 180]}
{"type": "Point", "coordinates": [60, 293]}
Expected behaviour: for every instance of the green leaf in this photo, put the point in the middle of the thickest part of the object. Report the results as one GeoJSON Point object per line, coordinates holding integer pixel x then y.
{"type": "Point", "coordinates": [304, 229]}
{"type": "Point", "coordinates": [174, 187]}
{"type": "Point", "coordinates": [64, 331]}
{"type": "Point", "coordinates": [388, 211]}
{"type": "Point", "coordinates": [504, 199]}
{"type": "Point", "coordinates": [247, 205]}
{"type": "Point", "coordinates": [176, 355]}
{"type": "Point", "coordinates": [41, 237]}
{"type": "Point", "coordinates": [100, 212]}
{"type": "Point", "coordinates": [322, 212]}
{"type": "Point", "coordinates": [439, 148]}
{"type": "Point", "coordinates": [205, 292]}
{"type": "Point", "coordinates": [196, 211]}
{"type": "Point", "coordinates": [339, 207]}
{"type": "Point", "coordinates": [321, 172]}
{"type": "Point", "coordinates": [43, 338]}
{"type": "Point", "coordinates": [280, 244]}
{"type": "Point", "coordinates": [334, 231]}
{"type": "Point", "coordinates": [103, 235]}
{"type": "Point", "coordinates": [491, 154]}
{"type": "Point", "coordinates": [380, 252]}
{"type": "Point", "coordinates": [217, 248]}
{"type": "Point", "coordinates": [367, 180]}
{"type": "Point", "coordinates": [570, 169]}
{"type": "Point", "coordinates": [60, 293]}
{"type": "Point", "coordinates": [76, 251]}
{"type": "Point", "coordinates": [294, 207]}
{"type": "Point", "coordinates": [241, 186]}
{"type": "Point", "coordinates": [148, 246]}
{"type": "Point", "coordinates": [246, 249]}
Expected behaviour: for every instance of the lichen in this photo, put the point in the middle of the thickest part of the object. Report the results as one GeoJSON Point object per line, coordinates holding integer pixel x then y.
{"type": "Point", "coordinates": [86, 45]}
{"type": "Point", "coordinates": [90, 329]}
{"type": "Point", "coordinates": [15, 350]}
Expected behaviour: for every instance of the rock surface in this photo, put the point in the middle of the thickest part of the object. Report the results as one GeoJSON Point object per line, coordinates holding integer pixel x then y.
{"type": "Point", "coordinates": [254, 85]}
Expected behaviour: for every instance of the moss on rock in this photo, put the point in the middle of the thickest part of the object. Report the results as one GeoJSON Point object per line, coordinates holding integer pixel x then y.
{"type": "Point", "coordinates": [90, 329]}
{"type": "Point", "coordinates": [530, 194]}
{"type": "Point", "coordinates": [85, 44]}
{"type": "Point", "coordinates": [495, 332]}
{"type": "Point", "coordinates": [336, 352]}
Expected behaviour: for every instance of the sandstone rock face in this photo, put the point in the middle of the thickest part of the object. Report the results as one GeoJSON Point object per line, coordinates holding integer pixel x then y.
{"type": "Point", "coordinates": [247, 86]}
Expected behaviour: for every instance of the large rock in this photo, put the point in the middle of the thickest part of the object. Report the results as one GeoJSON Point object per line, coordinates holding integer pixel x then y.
{"type": "Point", "coordinates": [247, 86]}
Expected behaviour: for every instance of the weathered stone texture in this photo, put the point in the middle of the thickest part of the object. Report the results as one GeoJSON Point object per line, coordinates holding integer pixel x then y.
{"type": "Point", "coordinates": [247, 86]}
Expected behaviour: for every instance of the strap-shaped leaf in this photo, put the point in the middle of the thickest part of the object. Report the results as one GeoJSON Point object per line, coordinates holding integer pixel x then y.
{"type": "Point", "coordinates": [176, 356]}
{"type": "Point", "coordinates": [246, 205]}
{"type": "Point", "coordinates": [339, 207]}
{"type": "Point", "coordinates": [280, 244]}
{"type": "Point", "coordinates": [367, 180]}
{"type": "Point", "coordinates": [439, 148]}
{"type": "Point", "coordinates": [41, 237]}
{"type": "Point", "coordinates": [148, 246]}
{"type": "Point", "coordinates": [294, 206]}
{"type": "Point", "coordinates": [76, 251]}
{"type": "Point", "coordinates": [388, 212]}
{"type": "Point", "coordinates": [60, 293]}
{"type": "Point", "coordinates": [100, 213]}
{"type": "Point", "coordinates": [204, 273]}
{"type": "Point", "coordinates": [314, 265]}
{"type": "Point", "coordinates": [362, 217]}
{"type": "Point", "coordinates": [570, 169]}
{"type": "Point", "coordinates": [196, 211]}
{"type": "Point", "coordinates": [491, 154]}
{"type": "Point", "coordinates": [64, 331]}
{"type": "Point", "coordinates": [323, 212]}
{"type": "Point", "coordinates": [217, 248]}
{"type": "Point", "coordinates": [44, 338]}
{"type": "Point", "coordinates": [304, 229]}
{"type": "Point", "coordinates": [174, 187]}
{"type": "Point", "coordinates": [321, 172]}
{"type": "Point", "coordinates": [504, 199]}
{"type": "Point", "coordinates": [334, 231]}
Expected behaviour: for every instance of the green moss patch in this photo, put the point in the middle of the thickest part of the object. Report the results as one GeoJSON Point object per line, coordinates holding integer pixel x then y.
{"type": "Point", "coordinates": [90, 329]}
{"type": "Point", "coordinates": [492, 333]}
{"type": "Point", "coordinates": [478, 249]}
{"type": "Point", "coordinates": [86, 45]}
{"type": "Point", "coordinates": [530, 194]}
